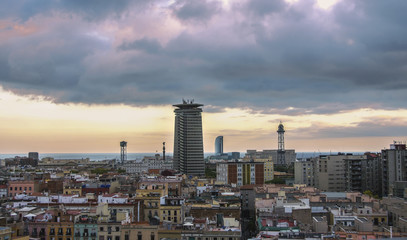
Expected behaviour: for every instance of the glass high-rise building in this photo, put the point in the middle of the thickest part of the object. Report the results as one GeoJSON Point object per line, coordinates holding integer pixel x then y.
{"type": "Point", "coordinates": [219, 145]}
{"type": "Point", "coordinates": [188, 142]}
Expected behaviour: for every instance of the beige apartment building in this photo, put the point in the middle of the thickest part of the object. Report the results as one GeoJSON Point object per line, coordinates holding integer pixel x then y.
{"type": "Point", "coordinates": [330, 172]}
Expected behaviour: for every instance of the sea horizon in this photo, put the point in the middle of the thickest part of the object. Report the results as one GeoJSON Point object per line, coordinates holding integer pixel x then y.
{"type": "Point", "coordinates": [139, 156]}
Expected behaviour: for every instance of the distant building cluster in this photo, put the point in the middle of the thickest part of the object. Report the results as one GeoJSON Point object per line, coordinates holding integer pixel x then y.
{"type": "Point", "coordinates": [265, 194]}
{"type": "Point", "coordinates": [148, 164]}
{"type": "Point", "coordinates": [382, 173]}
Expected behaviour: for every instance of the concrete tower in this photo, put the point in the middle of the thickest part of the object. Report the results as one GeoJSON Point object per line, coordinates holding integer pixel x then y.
{"type": "Point", "coordinates": [281, 149]}
{"type": "Point", "coordinates": [219, 145]}
{"type": "Point", "coordinates": [164, 151]}
{"type": "Point", "coordinates": [188, 142]}
{"type": "Point", "coordinates": [123, 151]}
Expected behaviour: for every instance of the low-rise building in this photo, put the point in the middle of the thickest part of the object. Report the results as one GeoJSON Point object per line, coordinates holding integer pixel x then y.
{"type": "Point", "coordinates": [22, 187]}
{"type": "Point", "coordinates": [3, 191]}
{"type": "Point", "coordinates": [171, 209]}
{"type": "Point", "coordinates": [5, 233]}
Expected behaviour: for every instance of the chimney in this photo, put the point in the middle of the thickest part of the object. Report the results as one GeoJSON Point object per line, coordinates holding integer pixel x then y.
{"type": "Point", "coordinates": [163, 151]}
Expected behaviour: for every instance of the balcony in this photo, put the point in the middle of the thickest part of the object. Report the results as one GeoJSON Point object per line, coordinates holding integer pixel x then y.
{"type": "Point", "coordinates": [150, 206]}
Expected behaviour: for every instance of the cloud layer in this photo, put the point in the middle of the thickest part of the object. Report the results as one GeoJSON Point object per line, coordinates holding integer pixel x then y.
{"type": "Point", "coordinates": [269, 56]}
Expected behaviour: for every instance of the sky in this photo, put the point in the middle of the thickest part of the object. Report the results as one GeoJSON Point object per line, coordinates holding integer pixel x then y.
{"type": "Point", "coordinates": [81, 76]}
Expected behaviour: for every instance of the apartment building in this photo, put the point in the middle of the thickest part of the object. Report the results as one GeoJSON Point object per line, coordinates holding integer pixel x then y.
{"type": "Point", "coordinates": [240, 173]}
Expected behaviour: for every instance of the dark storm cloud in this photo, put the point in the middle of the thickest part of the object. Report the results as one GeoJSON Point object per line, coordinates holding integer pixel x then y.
{"type": "Point", "coordinates": [263, 7]}
{"type": "Point", "coordinates": [42, 66]}
{"type": "Point", "coordinates": [195, 10]}
{"type": "Point", "coordinates": [145, 44]}
{"type": "Point", "coordinates": [267, 56]}
{"type": "Point", "coordinates": [89, 9]}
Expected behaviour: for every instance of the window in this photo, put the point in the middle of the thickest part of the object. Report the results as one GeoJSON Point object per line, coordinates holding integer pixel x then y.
{"type": "Point", "coordinates": [117, 238]}
{"type": "Point", "coordinates": [101, 229]}
{"type": "Point", "coordinates": [117, 229]}
{"type": "Point", "coordinates": [29, 188]}
{"type": "Point", "coordinates": [152, 236]}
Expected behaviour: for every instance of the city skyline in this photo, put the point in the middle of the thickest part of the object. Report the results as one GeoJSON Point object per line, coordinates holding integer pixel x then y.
{"type": "Point", "coordinates": [78, 78]}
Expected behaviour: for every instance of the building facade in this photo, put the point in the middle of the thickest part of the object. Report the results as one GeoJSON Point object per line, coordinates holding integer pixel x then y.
{"type": "Point", "coordinates": [330, 173]}
{"type": "Point", "coordinates": [188, 141]}
{"type": "Point", "coordinates": [268, 168]}
{"type": "Point", "coordinates": [148, 163]}
{"type": "Point", "coordinates": [304, 172]}
{"type": "Point", "coordinates": [289, 155]}
{"type": "Point", "coordinates": [362, 173]}
{"type": "Point", "coordinates": [20, 187]}
{"type": "Point", "coordinates": [240, 173]}
{"type": "Point", "coordinates": [394, 166]}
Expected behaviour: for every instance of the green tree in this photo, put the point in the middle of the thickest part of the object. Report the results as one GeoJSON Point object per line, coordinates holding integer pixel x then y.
{"type": "Point", "coordinates": [368, 192]}
{"type": "Point", "coordinates": [276, 181]}
{"type": "Point", "coordinates": [210, 173]}
{"type": "Point", "coordinates": [99, 170]}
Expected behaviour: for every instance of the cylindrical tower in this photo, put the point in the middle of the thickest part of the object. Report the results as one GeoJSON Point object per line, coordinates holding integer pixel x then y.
{"type": "Point", "coordinates": [188, 141]}
{"type": "Point", "coordinates": [219, 146]}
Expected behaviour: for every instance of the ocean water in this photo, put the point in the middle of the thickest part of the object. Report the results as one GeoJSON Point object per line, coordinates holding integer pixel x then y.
{"type": "Point", "coordinates": [138, 156]}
